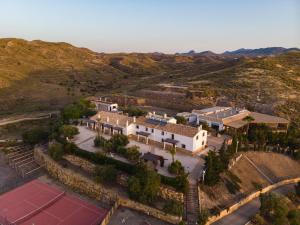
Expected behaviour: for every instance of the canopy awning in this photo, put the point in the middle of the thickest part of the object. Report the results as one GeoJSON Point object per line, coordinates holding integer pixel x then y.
{"type": "Point", "coordinates": [107, 125]}
{"type": "Point", "coordinates": [171, 141]}
{"type": "Point", "coordinates": [145, 134]}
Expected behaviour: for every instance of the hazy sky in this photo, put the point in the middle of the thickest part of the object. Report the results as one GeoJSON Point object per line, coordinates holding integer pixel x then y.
{"type": "Point", "coordinates": [155, 25]}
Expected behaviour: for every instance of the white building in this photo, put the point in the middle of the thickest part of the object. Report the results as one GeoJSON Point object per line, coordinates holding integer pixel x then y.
{"type": "Point", "coordinates": [103, 105]}
{"type": "Point", "coordinates": [163, 118]}
{"type": "Point", "coordinates": [216, 117]}
{"type": "Point", "coordinates": [151, 130]}
{"type": "Point", "coordinates": [222, 118]}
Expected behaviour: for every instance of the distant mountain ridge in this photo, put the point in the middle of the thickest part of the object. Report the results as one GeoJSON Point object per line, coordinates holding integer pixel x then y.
{"type": "Point", "coordinates": [260, 51]}
{"type": "Point", "coordinates": [243, 52]}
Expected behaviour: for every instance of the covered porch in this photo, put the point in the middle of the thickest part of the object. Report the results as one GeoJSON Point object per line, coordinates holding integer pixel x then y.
{"type": "Point", "coordinates": [170, 142]}
{"type": "Point", "coordinates": [143, 134]}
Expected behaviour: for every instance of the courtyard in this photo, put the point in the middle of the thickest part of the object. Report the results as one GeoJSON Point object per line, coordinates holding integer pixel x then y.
{"type": "Point", "coordinates": [192, 164]}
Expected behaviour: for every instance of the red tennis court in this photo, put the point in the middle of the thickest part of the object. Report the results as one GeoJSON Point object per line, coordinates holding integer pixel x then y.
{"type": "Point", "coordinates": [41, 204]}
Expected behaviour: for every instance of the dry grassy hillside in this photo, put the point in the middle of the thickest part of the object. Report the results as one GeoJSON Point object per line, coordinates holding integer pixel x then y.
{"type": "Point", "coordinates": [36, 75]}
{"type": "Point", "coordinates": [275, 166]}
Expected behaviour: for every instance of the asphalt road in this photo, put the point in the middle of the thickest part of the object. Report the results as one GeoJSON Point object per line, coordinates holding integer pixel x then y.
{"type": "Point", "coordinates": [243, 214]}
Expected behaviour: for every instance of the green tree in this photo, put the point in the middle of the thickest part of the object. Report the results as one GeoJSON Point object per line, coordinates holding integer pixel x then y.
{"type": "Point", "coordinates": [294, 216]}
{"type": "Point", "coordinates": [248, 119]}
{"type": "Point", "coordinates": [35, 136]}
{"type": "Point", "coordinates": [107, 174]}
{"type": "Point", "coordinates": [176, 168]}
{"type": "Point", "coordinates": [274, 208]}
{"type": "Point", "coordinates": [68, 131]}
{"type": "Point", "coordinates": [144, 185]}
{"type": "Point", "coordinates": [56, 151]}
{"type": "Point", "coordinates": [173, 207]}
{"type": "Point", "coordinates": [181, 120]}
{"type": "Point", "coordinates": [203, 217]}
{"type": "Point", "coordinates": [213, 167]}
{"type": "Point", "coordinates": [133, 153]}
{"type": "Point", "coordinates": [118, 140]}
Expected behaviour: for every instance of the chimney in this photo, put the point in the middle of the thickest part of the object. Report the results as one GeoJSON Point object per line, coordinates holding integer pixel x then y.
{"type": "Point", "coordinates": [107, 119]}
{"type": "Point", "coordinates": [200, 127]}
{"type": "Point", "coordinates": [127, 124]}
{"type": "Point", "coordinates": [100, 98]}
{"type": "Point", "coordinates": [117, 122]}
{"type": "Point", "coordinates": [105, 99]}
{"type": "Point", "coordinates": [165, 115]}
{"type": "Point", "coordinates": [153, 112]}
{"type": "Point", "coordinates": [99, 116]}
{"type": "Point", "coordinates": [134, 119]}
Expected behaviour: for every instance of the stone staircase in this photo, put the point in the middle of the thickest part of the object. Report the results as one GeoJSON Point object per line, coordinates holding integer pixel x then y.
{"type": "Point", "coordinates": [192, 204]}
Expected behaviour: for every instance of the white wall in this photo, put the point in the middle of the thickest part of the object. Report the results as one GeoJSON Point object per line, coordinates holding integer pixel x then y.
{"type": "Point", "coordinates": [191, 143]}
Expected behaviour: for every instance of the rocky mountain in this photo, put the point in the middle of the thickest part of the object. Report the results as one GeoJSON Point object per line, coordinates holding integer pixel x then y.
{"type": "Point", "coordinates": [37, 75]}
{"type": "Point", "coordinates": [260, 51]}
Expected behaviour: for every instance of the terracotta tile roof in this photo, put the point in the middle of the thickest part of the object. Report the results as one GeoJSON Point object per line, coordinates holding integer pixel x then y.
{"type": "Point", "coordinates": [169, 127]}
{"type": "Point", "coordinates": [112, 118]}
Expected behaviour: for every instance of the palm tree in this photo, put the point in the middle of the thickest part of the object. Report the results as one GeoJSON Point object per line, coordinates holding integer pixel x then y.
{"type": "Point", "coordinates": [248, 119]}
{"type": "Point", "coordinates": [173, 152]}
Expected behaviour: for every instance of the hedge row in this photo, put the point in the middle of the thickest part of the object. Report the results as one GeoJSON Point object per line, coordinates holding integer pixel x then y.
{"type": "Point", "coordinates": [122, 166]}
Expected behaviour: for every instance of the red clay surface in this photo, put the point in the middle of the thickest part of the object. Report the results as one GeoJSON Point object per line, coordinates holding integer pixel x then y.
{"type": "Point", "coordinates": [40, 204]}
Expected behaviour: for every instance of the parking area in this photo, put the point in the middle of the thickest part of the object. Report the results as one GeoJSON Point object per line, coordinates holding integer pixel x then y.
{"type": "Point", "coordinates": [130, 217]}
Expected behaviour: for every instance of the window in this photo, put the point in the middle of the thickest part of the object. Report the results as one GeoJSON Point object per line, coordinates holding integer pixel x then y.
{"type": "Point", "coordinates": [202, 142]}
{"type": "Point", "coordinates": [183, 146]}
{"type": "Point", "coordinates": [137, 126]}
{"type": "Point", "coordinates": [172, 136]}
{"type": "Point", "coordinates": [162, 133]}
{"type": "Point", "coordinates": [203, 134]}
{"type": "Point", "coordinates": [197, 137]}
{"type": "Point", "coordinates": [162, 140]}
{"type": "Point", "coordinates": [152, 130]}
{"type": "Point", "coordinates": [146, 128]}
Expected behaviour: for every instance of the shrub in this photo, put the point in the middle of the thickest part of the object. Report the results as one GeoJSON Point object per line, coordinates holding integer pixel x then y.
{"type": "Point", "coordinates": [56, 151]}
{"type": "Point", "coordinates": [99, 141]}
{"type": "Point", "coordinates": [294, 216]}
{"type": "Point", "coordinates": [118, 140]}
{"type": "Point", "coordinates": [203, 217]}
{"type": "Point", "coordinates": [258, 220]}
{"type": "Point", "coordinates": [107, 173]}
{"type": "Point", "coordinates": [133, 153]}
{"type": "Point", "coordinates": [69, 148]}
{"type": "Point", "coordinates": [173, 207]}
{"type": "Point", "coordinates": [176, 168]}
{"type": "Point", "coordinates": [35, 136]}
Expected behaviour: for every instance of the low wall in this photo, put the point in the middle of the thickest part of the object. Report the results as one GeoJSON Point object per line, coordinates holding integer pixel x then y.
{"type": "Point", "coordinates": [149, 211]}
{"type": "Point", "coordinates": [112, 210]}
{"type": "Point", "coordinates": [92, 189]}
{"type": "Point", "coordinates": [249, 198]}
{"type": "Point", "coordinates": [165, 192]}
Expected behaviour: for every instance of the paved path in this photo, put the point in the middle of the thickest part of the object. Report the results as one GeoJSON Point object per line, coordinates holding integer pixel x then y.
{"type": "Point", "coordinates": [20, 118]}
{"type": "Point", "coordinates": [244, 214]}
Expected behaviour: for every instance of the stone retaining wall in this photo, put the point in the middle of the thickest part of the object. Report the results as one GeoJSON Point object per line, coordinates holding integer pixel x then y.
{"type": "Point", "coordinates": [93, 189]}
{"type": "Point", "coordinates": [165, 192]}
{"type": "Point", "coordinates": [249, 198]}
